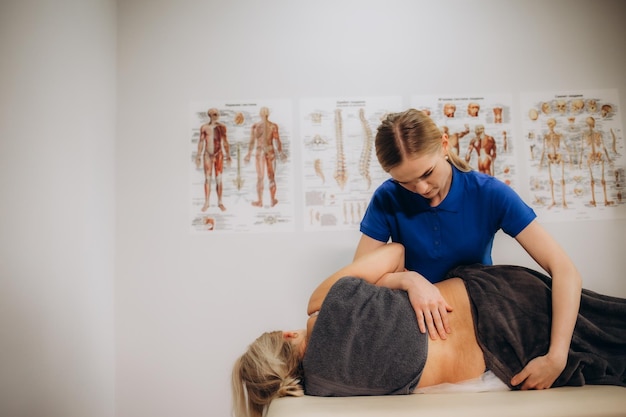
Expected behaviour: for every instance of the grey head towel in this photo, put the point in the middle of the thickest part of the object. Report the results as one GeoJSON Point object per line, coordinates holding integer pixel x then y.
{"type": "Point", "coordinates": [365, 342]}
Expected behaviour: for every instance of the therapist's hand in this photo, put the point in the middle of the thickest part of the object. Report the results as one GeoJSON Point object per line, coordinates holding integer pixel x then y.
{"type": "Point", "coordinates": [540, 373]}
{"type": "Point", "coordinates": [430, 307]}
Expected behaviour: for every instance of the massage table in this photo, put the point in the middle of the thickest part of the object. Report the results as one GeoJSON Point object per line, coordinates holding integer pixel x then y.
{"type": "Point", "coordinates": [587, 401]}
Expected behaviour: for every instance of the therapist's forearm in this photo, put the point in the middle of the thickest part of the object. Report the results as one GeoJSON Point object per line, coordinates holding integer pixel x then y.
{"type": "Point", "coordinates": [402, 280]}
{"type": "Point", "coordinates": [566, 284]}
{"type": "Point", "coordinates": [370, 267]}
{"type": "Point", "coordinates": [566, 292]}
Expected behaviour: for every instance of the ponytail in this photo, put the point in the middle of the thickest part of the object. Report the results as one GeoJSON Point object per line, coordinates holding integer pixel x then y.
{"type": "Point", "coordinates": [269, 369]}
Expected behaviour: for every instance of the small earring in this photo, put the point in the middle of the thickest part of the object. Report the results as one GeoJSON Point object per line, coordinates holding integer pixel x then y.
{"type": "Point", "coordinates": [446, 157]}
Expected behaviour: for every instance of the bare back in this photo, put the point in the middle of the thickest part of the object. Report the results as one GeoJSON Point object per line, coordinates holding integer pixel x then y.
{"type": "Point", "coordinates": [459, 357]}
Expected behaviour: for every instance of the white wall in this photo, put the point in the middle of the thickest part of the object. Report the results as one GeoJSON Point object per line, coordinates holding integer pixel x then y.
{"type": "Point", "coordinates": [57, 208]}
{"type": "Point", "coordinates": [188, 305]}
{"type": "Point", "coordinates": [185, 306]}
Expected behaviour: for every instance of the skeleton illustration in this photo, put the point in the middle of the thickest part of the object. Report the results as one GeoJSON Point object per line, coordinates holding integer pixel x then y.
{"type": "Point", "coordinates": [368, 140]}
{"type": "Point", "coordinates": [341, 174]}
{"type": "Point", "coordinates": [595, 157]}
{"type": "Point", "coordinates": [553, 145]}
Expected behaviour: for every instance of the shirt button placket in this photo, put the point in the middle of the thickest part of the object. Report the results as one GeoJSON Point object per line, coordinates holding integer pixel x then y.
{"type": "Point", "coordinates": [436, 233]}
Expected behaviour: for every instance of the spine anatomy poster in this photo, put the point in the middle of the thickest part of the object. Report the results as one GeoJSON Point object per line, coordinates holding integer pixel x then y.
{"type": "Point", "coordinates": [241, 166]}
{"type": "Point", "coordinates": [479, 129]}
{"type": "Point", "coordinates": [339, 166]}
{"type": "Point", "coordinates": [575, 154]}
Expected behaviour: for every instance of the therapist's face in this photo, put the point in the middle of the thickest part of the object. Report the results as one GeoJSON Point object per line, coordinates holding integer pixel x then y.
{"type": "Point", "coordinates": [428, 175]}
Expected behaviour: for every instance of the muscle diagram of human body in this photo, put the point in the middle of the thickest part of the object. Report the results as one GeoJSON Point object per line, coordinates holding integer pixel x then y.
{"type": "Point", "coordinates": [213, 148]}
{"type": "Point", "coordinates": [485, 147]}
{"type": "Point", "coordinates": [454, 138]}
{"type": "Point", "coordinates": [263, 135]}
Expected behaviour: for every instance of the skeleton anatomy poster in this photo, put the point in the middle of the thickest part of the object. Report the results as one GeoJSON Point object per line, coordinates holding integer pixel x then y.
{"type": "Point", "coordinates": [241, 166]}
{"type": "Point", "coordinates": [479, 129]}
{"type": "Point", "coordinates": [340, 170]}
{"type": "Point", "coordinates": [575, 154]}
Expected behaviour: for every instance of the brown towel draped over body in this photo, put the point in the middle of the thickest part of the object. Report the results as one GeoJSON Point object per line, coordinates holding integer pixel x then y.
{"type": "Point", "coordinates": [512, 309]}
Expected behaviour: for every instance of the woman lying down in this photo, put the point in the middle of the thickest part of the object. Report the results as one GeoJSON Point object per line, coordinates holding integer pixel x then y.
{"type": "Point", "coordinates": [363, 338]}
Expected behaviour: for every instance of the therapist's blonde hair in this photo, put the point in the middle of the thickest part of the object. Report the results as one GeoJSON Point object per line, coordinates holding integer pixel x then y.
{"type": "Point", "coordinates": [407, 135]}
{"type": "Point", "coordinates": [270, 368]}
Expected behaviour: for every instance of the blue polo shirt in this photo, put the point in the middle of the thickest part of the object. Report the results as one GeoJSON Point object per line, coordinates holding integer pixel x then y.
{"type": "Point", "coordinates": [459, 231]}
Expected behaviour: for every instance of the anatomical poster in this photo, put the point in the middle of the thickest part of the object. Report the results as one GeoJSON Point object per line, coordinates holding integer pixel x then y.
{"type": "Point", "coordinates": [339, 167]}
{"type": "Point", "coordinates": [240, 166]}
{"type": "Point", "coordinates": [574, 148]}
{"type": "Point", "coordinates": [479, 128]}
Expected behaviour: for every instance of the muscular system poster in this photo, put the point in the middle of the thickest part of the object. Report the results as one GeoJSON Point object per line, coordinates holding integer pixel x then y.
{"type": "Point", "coordinates": [240, 166]}
{"type": "Point", "coordinates": [339, 167]}
{"type": "Point", "coordinates": [575, 154]}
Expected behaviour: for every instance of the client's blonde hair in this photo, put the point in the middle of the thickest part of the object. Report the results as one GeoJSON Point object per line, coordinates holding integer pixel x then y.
{"type": "Point", "coordinates": [269, 369]}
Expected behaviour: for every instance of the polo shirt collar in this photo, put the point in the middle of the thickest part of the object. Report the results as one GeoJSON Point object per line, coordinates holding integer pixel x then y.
{"type": "Point", "coordinates": [451, 203]}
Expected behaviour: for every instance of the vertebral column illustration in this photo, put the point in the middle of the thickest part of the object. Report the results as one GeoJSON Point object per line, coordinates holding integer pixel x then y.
{"type": "Point", "coordinates": [368, 139]}
{"type": "Point", "coordinates": [341, 174]}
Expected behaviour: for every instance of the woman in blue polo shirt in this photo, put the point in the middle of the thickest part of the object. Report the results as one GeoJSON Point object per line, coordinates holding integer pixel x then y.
{"type": "Point", "coordinates": [447, 215]}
